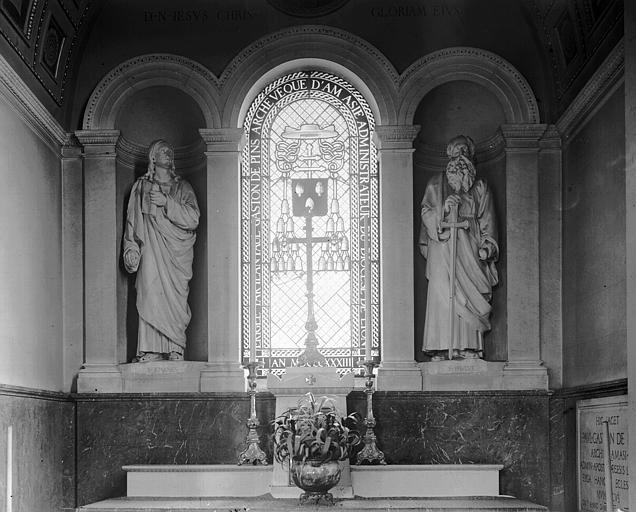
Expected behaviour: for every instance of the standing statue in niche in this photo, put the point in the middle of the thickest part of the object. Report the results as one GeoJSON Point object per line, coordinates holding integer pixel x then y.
{"type": "Point", "coordinates": [458, 238]}
{"type": "Point", "coordinates": [159, 245]}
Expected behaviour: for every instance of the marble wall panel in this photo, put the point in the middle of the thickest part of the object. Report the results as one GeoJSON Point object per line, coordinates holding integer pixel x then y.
{"type": "Point", "coordinates": [116, 430]}
{"type": "Point", "coordinates": [43, 461]}
{"type": "Point", "coordinates": [509, 428]}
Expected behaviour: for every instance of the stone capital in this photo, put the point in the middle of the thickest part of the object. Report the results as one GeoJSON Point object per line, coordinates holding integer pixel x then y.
{"type": "Point", "coordinates": [98, 142]}
{"type": "Point", "coordinates": [551, 139]}
{"type": "Point", "coordinates": [522, 137]}
{"type": "Point", "coordinates": [71, 148]}
{"type": "Point", "coordinates": [395, 137]}
{"type": "Point", "coordinates": [223, 140]}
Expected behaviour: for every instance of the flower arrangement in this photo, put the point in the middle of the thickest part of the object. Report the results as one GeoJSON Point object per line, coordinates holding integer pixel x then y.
{"type": "Point", "coordinates": [314, 430]}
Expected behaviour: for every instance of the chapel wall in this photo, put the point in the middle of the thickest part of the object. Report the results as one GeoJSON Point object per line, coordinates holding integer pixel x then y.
{"type": "Point", "coordinates": [31, 258]}
{"type": "Point", "coordinates": [594, 325]}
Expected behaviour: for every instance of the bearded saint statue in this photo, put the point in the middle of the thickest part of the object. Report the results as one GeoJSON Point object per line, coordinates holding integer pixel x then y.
{"type": "Point", "coordinates": [476, 253]}
{"type": "Point", "coordinates": [158, 244]}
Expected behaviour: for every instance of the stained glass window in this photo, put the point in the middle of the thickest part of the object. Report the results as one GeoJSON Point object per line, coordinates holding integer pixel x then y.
{"type": "Point", "coordinates": [309, 188]}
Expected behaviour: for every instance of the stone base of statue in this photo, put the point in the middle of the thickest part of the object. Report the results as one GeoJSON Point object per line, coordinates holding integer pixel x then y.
{"type": "Point", "coordinates": [151, 377]}
{"type": "Point", "coordinates": [480, 375]}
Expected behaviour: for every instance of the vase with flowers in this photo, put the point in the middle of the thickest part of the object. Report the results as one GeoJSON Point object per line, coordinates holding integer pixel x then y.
{"type": "Point", "coordinates": [315, 439]}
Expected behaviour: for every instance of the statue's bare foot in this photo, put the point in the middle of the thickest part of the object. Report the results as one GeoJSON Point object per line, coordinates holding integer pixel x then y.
{"type": "Point", "coordinates": [147, 357]}
{"type": "Point", "coordinates": [175, 356]}
{"type": "Point", "coordinates": [437, 358]}
{"type": "Point", "coordinates": [469, 354]}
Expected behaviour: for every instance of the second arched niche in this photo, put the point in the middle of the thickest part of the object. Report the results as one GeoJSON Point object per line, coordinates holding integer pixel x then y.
{"type": "Point", "coordinates": [466, 108]}
{"type": "Point", "coordinates": [164, 112]}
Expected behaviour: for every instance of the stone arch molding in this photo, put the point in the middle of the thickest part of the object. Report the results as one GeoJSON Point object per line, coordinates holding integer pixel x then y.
{"type": "Point", "coordinates": [303, 47]}
{"type": "Point", "coordinates": [471, 64]}
{"type": "Point", "coordinates": [147, 71]}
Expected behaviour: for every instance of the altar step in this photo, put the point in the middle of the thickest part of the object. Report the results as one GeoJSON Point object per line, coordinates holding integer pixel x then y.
{"type": "Point", "coordinates": [389, 481]}
{"type": "Point", "coordinates": [269, 504]}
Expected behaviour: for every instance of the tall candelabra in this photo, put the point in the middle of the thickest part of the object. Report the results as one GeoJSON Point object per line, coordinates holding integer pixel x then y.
{"type": "Point", "coordinates": [370, 454]}
{"type": "Point", "coordinates": [253, 453]}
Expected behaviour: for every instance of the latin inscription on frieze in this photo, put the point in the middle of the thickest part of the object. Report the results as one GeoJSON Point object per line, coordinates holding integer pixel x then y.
{"type": "Point", "coordinates": [591, 418]}
{"type": "Point", "coordinates": [415, 9]}
{"type": "Point", "coordinates": [194, 16]}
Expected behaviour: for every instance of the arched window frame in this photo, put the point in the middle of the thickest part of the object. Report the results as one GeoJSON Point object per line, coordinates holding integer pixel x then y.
{"type": "Point", "coordinates": [256, 221]}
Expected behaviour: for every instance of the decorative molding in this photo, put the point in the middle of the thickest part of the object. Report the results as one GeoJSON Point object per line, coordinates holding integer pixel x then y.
{"type": "Point", "coordinates": [38, 394]}
{"type": "Point", "coordinates": [29, 108]}
{"type": "Point", "coordinates": [614, 387]}
{"type": "Point", "coordinates": [223, 139]}
{"type": "Point", "coordinates": [522, 136]}
{"type": "Point", "coordinates": [434, 158]}
{"type": "Point", "coordinates": [304, 31]}
{"type": "Point", "coordinates": [190, 397]}
{"type": "Point", "coordinates": [551, 139]}
{"type": "Point", "coordinates": [465, 63]}
{"type": "Point", "coordinates": [97, 137]}
{"type": "Point", "coordinates": [606, 77]}
{"type": "Point", "coordinates": [395, 137]}
{"type": "Point", "coordinates": [152, 70]}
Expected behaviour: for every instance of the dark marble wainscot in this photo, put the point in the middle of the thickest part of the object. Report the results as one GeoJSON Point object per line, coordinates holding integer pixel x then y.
{"type": "Point", "coordinates": [486, 427]}
{"type": "Point", "coordinates": [198, 428]}
{"type": "Point", "coordinates": [43, 461]}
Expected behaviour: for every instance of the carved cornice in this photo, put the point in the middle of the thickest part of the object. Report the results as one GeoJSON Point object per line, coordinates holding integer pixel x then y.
{"type": "Point", "coordinates": [551, 139]}
{"type": "Point", "coordinates": [223, 139]}
{"type": "Point", "coordinates": [395, 137]}
{"type": "Point", "coordinates": [310, 30]}
{"type": "Point", "coordinates": [97, 137]}
{"type": "Point", "coordinates": [522, 136]}
{"type": "Point", "coordinates": [26, 105]}
{"type": "Point", "coordinates": [186, 158]}
{"type": "Point", "coordinates": [605, 78]}
{"type": "Point", "coordinates": [460, 61]}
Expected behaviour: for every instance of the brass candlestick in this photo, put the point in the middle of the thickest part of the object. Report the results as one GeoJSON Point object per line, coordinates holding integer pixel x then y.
{"type": "Point", "coordinates": [253, 453]}
{"type": "Point", "coordinates": [370, 454]}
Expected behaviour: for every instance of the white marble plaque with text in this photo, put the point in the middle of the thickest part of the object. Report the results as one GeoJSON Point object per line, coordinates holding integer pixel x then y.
{"type": "Point", "coordinates": [591, 468]}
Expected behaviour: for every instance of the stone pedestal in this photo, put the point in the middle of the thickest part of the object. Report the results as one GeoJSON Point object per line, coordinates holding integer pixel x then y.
{"type": "Point", "coordinates": [287, 390]}
{"type": "Point", "coordinates": [479, 375]}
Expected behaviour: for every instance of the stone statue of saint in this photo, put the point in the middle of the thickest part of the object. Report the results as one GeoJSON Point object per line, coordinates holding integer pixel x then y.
{"type": "Point", "coordinates": [458, 193]}
{"type": "Point", "coordinates": [159, 245]}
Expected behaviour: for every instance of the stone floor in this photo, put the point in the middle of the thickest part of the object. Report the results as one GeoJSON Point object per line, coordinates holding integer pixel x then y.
{"type": "Point", "coordinates": [268, 504]}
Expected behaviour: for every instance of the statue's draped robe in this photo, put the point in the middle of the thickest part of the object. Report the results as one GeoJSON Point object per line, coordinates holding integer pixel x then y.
{"type": "Point", "coordinates": [474, 278]}
{"type": "Point", "coordinates": [165, 240]}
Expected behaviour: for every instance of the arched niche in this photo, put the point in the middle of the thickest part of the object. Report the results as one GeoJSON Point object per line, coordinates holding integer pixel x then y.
{"type": "Point", "coordinates": [482, 67]}
{"type": "Point", "coordinates": [453, 108]}
{"type": "Point", "coordinates": [165, 112]}
{"type": "Point", "coordinates": [145, 98]}
{"type": "Point", "coordinates": [309, 47]}
{"type": "Point", "coordinates": [150, 70]}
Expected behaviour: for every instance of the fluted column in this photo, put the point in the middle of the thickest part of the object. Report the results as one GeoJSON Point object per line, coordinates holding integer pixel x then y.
{"type": "Point", "coordinates": [223, 371]}
{"type": "Point", "coordinates": [524, 368]}
{"type": "Point", "coordinates": [395, 153]}
{"type": "Point", "coordinates": [103, 351]}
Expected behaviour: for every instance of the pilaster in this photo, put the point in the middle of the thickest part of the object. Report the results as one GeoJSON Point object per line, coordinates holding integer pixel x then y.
{"type": "Point", "coordinates": [630, 225]}
{"type": "Point", "coordinates": [522, 256]}
{"type": "Point", "coordinates": [398, 371]}
{"type": "Point", "coordinates": [223, 152]}
{"type": "Point", "coordinates": [550, 254]}
{"type": "Point", "coordinates": [72, 259]}
{"type": "Point", "coordinates": [101, 256]}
